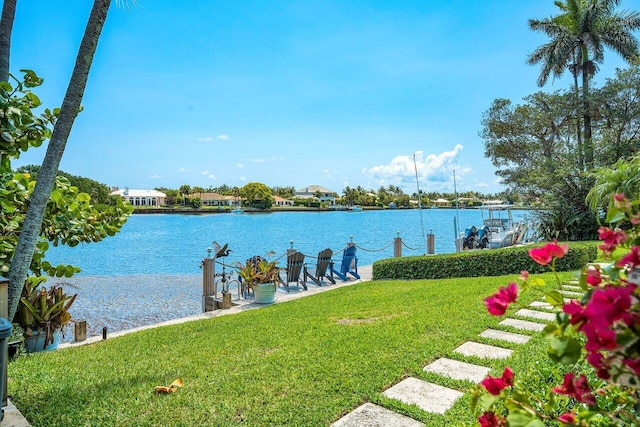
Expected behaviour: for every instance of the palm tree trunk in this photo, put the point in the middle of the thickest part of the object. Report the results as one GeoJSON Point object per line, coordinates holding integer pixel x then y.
{"type": "Point", "coordinates": [49, 169]}
{"type": "Point", "coordinates": [6, 27]}
{"type": "Point", "coordinates": [586, 113]}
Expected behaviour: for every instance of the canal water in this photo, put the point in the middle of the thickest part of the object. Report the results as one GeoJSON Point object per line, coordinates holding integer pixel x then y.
{"type": "Point", "coordinates": [150, 271]}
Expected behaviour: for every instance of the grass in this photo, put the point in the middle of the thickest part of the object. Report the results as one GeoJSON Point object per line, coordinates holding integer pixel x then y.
{"type": "Point", "coordinates": [302, 363]}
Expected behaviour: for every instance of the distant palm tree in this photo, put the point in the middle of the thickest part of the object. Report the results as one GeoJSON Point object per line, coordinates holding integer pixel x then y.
{"type": "Point", "coordinates": [578, 36]}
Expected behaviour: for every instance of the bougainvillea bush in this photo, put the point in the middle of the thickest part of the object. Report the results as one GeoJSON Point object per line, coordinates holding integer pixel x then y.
{"type": "Point", "coordinates": [595, 339]}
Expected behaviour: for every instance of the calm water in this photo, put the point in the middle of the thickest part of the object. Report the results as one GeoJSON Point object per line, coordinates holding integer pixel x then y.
{"type": "Point", "coordinates": [150, 271]}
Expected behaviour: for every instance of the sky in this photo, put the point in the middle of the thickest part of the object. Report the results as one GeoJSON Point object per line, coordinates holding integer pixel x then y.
{"type": "Point", "coordinates": [287, 93]}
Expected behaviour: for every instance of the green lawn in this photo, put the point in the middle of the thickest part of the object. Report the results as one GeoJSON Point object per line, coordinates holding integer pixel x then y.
{"type": "Point", "coordinates": [302, 363]}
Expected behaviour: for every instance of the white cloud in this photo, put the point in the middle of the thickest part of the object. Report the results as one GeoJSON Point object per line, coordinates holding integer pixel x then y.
{"type": "Point", "coordinates": [211, 176]}
{"type": "Point", "coordinates": [243, 178]}
{"type": "Point", "coordinates": [256, 160]}
{"type": "Point", "coordinates": [156, 176]}
{"type": "Point", "coordinates": [204, 173]}
{"type": "Point", "coordinates": [204, 139]}
{"type": "Point", "coordinates": [482, 185]}
{"type": "Point", "coordinates": [240, 165]}
{"type": "Point", "coordinates": [435, 171]}
{"type": "Point", "coordinates": [223, 137]}
{"type": "Point", "coordinates": [182, 170]}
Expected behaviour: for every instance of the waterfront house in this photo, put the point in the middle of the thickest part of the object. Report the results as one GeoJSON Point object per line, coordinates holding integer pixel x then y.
{"type": "Point", "coordinates": [280, 201]}
{"type": "Point", "coordinates": [215, 199]}
{"type": "Point", "coordinates": [140, 197]}
{"type": "Point", "coordinates": [319, 192]}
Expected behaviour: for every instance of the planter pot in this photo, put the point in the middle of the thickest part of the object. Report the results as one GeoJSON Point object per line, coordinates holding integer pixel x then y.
{"type": "Point", "coordinates": [35, 342]}
{"type": "Point", "coordinates": [265, 293]}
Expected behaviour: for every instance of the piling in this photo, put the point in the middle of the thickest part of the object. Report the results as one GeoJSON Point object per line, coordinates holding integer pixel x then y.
{"type": "Point", "coordinates": [431, 243]}
{"type": "Point", "coordinates": [80, 330]}
{"type": "Point", "coordinates": [397, 246]}
{"type": "Point", "coordinates": [208, 283]}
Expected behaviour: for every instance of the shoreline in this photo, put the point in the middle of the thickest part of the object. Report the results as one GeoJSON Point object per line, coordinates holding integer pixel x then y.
{"type": "Point", "coordinates": [201, 211]}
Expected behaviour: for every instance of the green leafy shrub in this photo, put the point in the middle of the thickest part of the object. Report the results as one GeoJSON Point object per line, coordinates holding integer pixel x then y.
{"type": "Point", "coordinates": [494, 262]}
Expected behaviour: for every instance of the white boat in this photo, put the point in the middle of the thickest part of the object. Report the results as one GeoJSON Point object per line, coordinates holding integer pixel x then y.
{"type": "Point", "coordinates": [237, 210]}
{"type": "Point", "coordinates": [355, 208]}
{"type": "Point", "coordinates": [498, 229]}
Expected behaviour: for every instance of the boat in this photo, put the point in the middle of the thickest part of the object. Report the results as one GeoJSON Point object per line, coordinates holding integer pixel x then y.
{"type": "Point", "coordinates": [355, 208]}
{"type": "Point", "coordinates": [498, 230]}
{"type": "Point", "coordinates": [237, 210]}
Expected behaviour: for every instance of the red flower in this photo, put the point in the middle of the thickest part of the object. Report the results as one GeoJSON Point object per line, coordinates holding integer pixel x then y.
{"type": "Point", "coordinates": [594, 278]}
{"type": "Point", "coordinates": [610, 238]}
{"type": "Point", "coordinates": [567, 418]}
{"type": "Point", "coordinates": [632, 258]}
{"type": "Point", "coordinates": [578, 389]}
{"type": "Point", "coordinates": [489, 419]}
{"type": "Point", "coordinates": [496, 385]}
{"type": "Point", "coordinates": [498, 303]}
{"type": "Point", "coordinates": [545, 254]}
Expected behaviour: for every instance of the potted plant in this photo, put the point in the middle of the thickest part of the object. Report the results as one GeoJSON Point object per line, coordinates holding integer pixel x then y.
{"type": "Point", "coordinates": [43, 313]}
{"type": "Point", "coordinates": [262, 276]}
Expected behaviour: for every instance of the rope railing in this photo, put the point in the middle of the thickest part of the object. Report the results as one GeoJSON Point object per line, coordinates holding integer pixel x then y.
{"type": "Point", "coordinates": [413, 249]}
{"type": "Point", "coordinates": [373, 250]}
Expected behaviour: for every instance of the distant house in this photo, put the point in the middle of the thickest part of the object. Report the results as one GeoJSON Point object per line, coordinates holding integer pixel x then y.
{"type": "Point", "coordinates": [442, 203]}
{"type": "Point", "coordinates": [140, 197]}
{"type": "Point", "coordinates": [279, 201]}
{"type": "Point", "coordinates": [215, 199]}
{"type": "Point", "coordinates": [325, 195]}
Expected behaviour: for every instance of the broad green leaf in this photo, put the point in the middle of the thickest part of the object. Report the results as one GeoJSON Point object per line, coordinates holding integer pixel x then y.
{"type": "Point", "coordinates": [523, 419]}
{"type": "Point", "coordinates": [487, 400]}
{"type": "Point", "coordinates": [554, 298]}
{"type": "Point", "coordinates": [564, 350]}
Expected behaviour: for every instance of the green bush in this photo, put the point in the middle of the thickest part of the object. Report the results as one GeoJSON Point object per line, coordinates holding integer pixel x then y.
{"type": "Point", "coordinates": [494, 262]}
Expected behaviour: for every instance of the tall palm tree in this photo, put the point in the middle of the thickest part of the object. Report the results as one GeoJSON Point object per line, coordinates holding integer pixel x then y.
{"type": "Point", "coordinates": [6, 28]}
{"type": "Point", "coordinates": [579, 35]}
{"type": "Point", "coordinates": [49, 169]}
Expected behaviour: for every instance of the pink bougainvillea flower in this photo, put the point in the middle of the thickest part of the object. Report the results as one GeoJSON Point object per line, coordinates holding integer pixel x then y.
{"type": "Point", "coordinates": [635, 219]}
{"type": "Point", "coordinates": [568, 418]}
{"type": "Point", "coordinates": [489, 419]}
{"type": "Point", "coordinates": [633, 364]}
{"type": "Point", "coordinates": [611, 239]}
{"type": "Point", "coordinates": [496, 385]}
{"type": "Point", "coordinates": [498, 303]}
{"type": "Point", "coordinates": [596, 359]}
{"type": "Point", "coordinates": [524, 275]}
{"type": "Point", "coordinates": [631, 259]}
{"type": "Point", "coordinates": [578, 389]}
{"type": "Point", "coordinates": [594, 278]}
{"type": "Point", "coordinates": [620, 201]}
{"type": "Point", "coordinates": [545, 254]}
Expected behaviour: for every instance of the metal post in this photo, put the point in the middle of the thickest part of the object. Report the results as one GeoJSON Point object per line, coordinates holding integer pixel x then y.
{"type": "Point", "coordinates": [431, 241]}
{"type": "Point", "coordinates": [209, 290]}
{"type": "Point", "coordinates": [397, 246]}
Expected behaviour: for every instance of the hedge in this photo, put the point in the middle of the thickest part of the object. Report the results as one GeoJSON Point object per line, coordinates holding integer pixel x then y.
{"type": "Point", "coordinates": [492, 262]}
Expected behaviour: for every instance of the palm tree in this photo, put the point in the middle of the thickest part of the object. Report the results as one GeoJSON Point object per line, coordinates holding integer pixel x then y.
{"type": "Point", "coordinates": [578, 36]}
{"type": "Point", "coordinates": [49, 169]}
{"type": "Point", "coordinates": [6, 27]}
{"type": "Point", "coordinates": [622, 177]}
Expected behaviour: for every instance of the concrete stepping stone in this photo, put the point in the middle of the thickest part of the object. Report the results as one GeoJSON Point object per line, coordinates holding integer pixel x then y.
{"type": "Point", "coordinates": [571, 293]}
{"type": "Point", "coordinates": [458, 370]}
{"type": "Point", "coordinates": [535, 314]}
{"type": "Point", "coordinates": [572, 288]}
{"type": "Point", "coordinates": [541, 304]}
{"type": "Point", "coordinates": [483, 350]}
{"type": "Point", "coordinates": [370, 415]}
{"type": "Point", "coordinates": [505, 336]}
{"type": "Point", "coordinates": [523, 324]}
{"type": "Point", "coordinates": [427, 396]}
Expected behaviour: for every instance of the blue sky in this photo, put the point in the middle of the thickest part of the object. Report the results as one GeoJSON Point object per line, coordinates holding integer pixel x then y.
{"type": "Point", "coordinates": [288, 93]}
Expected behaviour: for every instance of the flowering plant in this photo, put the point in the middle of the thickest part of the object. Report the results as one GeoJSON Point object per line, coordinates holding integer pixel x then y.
{"type": "Point", "coordinates": [601, 330]}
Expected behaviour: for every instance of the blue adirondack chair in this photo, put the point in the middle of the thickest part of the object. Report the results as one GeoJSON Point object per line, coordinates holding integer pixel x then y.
{"type": "Point", "coordinates": [349, 265]}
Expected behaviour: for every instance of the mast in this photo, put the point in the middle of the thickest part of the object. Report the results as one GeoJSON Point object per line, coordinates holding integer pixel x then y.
{"type": "Point", "coordinates": [415, 166]}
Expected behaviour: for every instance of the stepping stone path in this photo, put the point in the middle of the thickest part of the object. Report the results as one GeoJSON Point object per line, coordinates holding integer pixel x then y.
{"type": "Point", "coordinates": [541, 304]}
{"type": "Point", "coordinates": [371, 415]}
{"type": "Point", "coordinates": [458, 370]}
{"type": "Point", "coordinates": [572, 288]}
{"type": "Point", "coordinates": [534, 314]}
{"type": "Point", "coordinates": [483, 350]}
{"type": "Point", "coordinates": [571, 293]}
{"type": "Point", "coordinates": [505, 336]}
{"type": "Point", "coordinates": [427, 396]}
{"type": "Point", "coordinates": [438, 399]}
{"type": "Point", "coordinates": [523, 324]}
